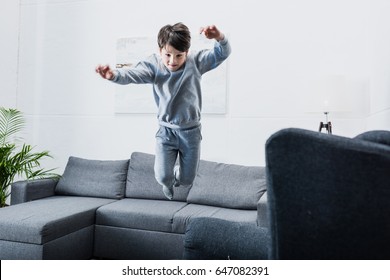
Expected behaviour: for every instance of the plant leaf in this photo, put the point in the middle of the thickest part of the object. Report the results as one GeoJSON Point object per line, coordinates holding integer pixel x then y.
{"type": "Point", "coordinates": [11, 122]}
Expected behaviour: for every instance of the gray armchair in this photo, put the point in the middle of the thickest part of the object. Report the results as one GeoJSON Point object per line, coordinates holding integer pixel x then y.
{"type": "Point", "coordinates": [328, 196]}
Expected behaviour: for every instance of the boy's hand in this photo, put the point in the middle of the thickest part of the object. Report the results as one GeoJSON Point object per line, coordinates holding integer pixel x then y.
{"type": "Point", "coordinates": [105, 71]}
{"type": "Point", "coordinates": [212, 32]}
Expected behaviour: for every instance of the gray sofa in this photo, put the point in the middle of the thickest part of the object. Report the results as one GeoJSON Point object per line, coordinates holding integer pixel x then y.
{"type": "Point", "coordinates": [116, 210]}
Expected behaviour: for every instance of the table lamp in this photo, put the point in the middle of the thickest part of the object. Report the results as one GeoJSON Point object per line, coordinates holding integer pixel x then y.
{"type": "Point", "coordinates": [328, 94]}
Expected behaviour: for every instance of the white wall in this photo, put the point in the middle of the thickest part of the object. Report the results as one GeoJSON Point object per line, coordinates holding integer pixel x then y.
{"type": "Point", "coordinates": [380, 65]}
{"type": "Point", "coordinates": [278, 48]}
{"type": "Point", "coordinates": [9, 34]}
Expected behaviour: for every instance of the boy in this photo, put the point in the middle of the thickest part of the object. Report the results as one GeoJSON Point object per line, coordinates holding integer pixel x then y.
{"type": "Point", "coordinates": [175, 75]}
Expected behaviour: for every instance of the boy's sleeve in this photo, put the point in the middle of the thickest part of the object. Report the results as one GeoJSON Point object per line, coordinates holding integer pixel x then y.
{"type": "Point", "coordinates": [212, 58]}
{"type": "Point", "coordinates": [142, 73]}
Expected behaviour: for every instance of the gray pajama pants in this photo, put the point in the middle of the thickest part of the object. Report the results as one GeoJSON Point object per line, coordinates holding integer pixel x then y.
{"type": "Point", "coordinates": [173, 143]}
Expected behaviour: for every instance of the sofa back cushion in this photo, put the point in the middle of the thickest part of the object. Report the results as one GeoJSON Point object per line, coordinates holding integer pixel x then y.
{"type": "Point", "coordinates": [94, 178]}
{"type": "Point", "coordinates": [141, 182]}
{"type": "Point", "coordinates": [228, 185]}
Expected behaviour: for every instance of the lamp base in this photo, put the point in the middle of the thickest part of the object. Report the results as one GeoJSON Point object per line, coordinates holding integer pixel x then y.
{"type": "Point", "coordinates": [327, 126]}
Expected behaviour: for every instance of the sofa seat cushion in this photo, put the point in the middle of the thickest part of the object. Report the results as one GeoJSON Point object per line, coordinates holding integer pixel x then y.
{"type": "Point", "coordinates": [228, 185]}
{"type": "Point", "coordinates": [190, 211]}
{"type": "Point", "coordinates": [145, 214]}
{"type": "Point", "coordinates": [43, 220]}
{"type": "Point", "coordinates": [95, 178]}
{"type": "Point", "coordinates": [141, 182]}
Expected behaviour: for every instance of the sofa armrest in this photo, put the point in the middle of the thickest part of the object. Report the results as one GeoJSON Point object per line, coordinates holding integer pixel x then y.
{"type": "Point", "coordinates": [217, 239]}
{"type": "Point", "coordinates": [23, 191]}
{"type": "Point", "coordinates": [262, 213]}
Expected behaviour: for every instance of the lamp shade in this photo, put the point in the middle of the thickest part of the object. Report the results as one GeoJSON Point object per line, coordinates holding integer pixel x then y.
{"type": "Point", "coordinates": [329, 94]}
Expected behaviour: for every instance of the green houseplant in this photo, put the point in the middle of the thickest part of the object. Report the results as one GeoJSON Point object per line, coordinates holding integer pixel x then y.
{"type": "Point", "coordinates": [16, 159]}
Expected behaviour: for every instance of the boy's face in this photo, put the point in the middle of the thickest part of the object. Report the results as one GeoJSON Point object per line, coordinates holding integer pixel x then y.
{"type": "Point", "coordinates": [172, 58]}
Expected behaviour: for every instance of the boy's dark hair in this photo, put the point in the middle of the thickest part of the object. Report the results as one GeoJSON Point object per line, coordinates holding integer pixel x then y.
{"type": "Point", "coordinates": [177, 35]}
